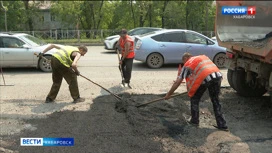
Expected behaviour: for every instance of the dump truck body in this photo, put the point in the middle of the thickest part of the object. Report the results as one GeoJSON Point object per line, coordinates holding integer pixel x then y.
{"type": "Point", "coordinates": [248, 38]}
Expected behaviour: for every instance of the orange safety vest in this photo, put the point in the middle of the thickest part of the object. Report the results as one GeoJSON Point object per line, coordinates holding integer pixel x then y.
{"type": "Point", "coordinates": [122, 41]}
{"type": "Point", "coordinates": [201, 67]}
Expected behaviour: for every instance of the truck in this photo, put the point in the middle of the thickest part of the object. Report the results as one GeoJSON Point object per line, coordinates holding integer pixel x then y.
{"type": "Point", "coordinates": [248, 39]}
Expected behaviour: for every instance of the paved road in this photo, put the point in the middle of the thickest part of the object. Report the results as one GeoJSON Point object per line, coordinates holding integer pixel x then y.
{"type": "Point", "coordinates": [25, 98]}
{"type": "Point", "coordinates": [248, 118]}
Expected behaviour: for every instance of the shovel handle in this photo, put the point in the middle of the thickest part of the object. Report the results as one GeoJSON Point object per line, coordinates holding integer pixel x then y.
{"type": "Point", "coordinates": [155, 100]}
{"type": "Point", "coordinates": [116, 96]}
{"type": "Point", "coordinates": [120, 67]}
{"type": "Point", "coordinates": [41, 57]}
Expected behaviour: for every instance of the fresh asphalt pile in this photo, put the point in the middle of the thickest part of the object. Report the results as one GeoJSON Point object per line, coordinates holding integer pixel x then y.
{"type": "Point", "coordinates": [158, 127]}
{"type": "Point", "coordinates": [160, 118]}
{"type": "Point", "coordinates": [103, 129]}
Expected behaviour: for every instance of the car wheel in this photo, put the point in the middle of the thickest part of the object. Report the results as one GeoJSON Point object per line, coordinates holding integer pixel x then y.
{"type": "Point", "coordinates": [247, 89]}
{"type": "Point", "coordinates": [45, 65]}
{"type": "Point", "coordinates": [154, 60]}
{"type": "Point", "coordinates": [219, 60]}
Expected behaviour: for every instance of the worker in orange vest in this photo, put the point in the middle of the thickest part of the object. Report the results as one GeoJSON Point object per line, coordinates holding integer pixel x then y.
{"type": "Point", "coordinates": [200, 73]}
{"type": "Point", "coordinates": [127, 49]}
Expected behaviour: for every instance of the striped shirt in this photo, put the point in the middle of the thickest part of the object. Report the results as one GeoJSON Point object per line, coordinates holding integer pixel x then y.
{"type": "Point", "coordinates": [185, 72]}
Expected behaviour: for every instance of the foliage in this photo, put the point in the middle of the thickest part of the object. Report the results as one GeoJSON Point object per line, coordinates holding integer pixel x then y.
{"type": "Point", "coordinates": [15, 15]}
{"type": "Point", "coordinates": [117, 14]}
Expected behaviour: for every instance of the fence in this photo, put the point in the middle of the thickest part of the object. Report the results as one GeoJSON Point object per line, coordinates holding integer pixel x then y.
{"type": "Point", "coordinates": [97, 36]}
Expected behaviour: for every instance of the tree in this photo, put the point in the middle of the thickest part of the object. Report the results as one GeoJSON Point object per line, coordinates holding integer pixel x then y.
{"type": "Point", "coordinates": [93, 15]}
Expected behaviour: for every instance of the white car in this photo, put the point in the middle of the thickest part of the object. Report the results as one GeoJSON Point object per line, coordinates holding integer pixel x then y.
{"type": "Point", "coordinates": [17, 50]}
{"type": "Point", "coordinates": [111, 41]}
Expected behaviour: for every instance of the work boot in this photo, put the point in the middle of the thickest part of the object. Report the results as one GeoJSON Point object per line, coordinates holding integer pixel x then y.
{"type": "Point", "coordinates": [49, 100]}
{"type": "Point", "coordinates": [122, 84]}
{"type": "Point", "coordinates": [225, 128]}
{"type": "Point", "coordinates": [129, 86]}
{"type": "Point", "coordinates": [193, 123]}
{"type": "Point", "coordinates": [78, 100]}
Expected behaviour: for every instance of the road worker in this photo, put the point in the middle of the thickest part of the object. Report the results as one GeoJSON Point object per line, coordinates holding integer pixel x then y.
{"type": "Point", "coordinates": [200, 73]}
{"type": "Point", "coordinates": [64, 65]}
{"type": "Point", "coordinates": [127, 49]}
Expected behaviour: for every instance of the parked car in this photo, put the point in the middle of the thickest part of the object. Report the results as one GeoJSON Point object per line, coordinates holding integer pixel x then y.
{"type": "Point", "coordinates": [110, 42]}
{"type": "Point", "coordinates": [17, 50]}
{"type": "Point", "coordinates": [168, 46]}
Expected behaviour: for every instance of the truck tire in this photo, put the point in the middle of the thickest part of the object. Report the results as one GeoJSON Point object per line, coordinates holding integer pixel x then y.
{"type": "Point", "coordinates": [242, 88]}
{"type": "Point", "coordinates": [230, 78]}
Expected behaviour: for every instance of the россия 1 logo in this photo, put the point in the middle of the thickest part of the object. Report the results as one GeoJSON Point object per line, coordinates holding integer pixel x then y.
{"type": "Point", "coordinates": [238, 10]}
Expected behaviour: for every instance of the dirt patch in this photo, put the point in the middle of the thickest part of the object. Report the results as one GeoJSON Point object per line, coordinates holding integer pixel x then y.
{"type": "Point", "coordinates": [158, 127]}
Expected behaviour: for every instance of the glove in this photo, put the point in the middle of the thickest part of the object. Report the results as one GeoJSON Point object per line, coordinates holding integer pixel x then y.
{"type": "Point", "coordinates": [40, 54]}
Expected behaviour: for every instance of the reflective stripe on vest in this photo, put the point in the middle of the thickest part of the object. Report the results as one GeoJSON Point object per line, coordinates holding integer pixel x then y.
{"type": "Point", "coordinates": [64, 55]}
{"type": "Point", "coordinates": [199, 72]}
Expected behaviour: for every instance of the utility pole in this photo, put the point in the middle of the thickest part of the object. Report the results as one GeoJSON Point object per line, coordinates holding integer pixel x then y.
{"type": "Point", "coordinates": [5, 10]}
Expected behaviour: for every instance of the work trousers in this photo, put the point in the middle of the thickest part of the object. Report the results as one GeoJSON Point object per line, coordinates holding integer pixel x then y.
{"type": "Point", "coordinates": [214, 90]}
{"type": "Point", "coordinates": [59, 71]}
{"type": "Point", "coordinates": [127, 69]}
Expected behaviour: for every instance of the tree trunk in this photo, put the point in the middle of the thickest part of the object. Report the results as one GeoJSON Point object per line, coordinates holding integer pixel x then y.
{"type": "Point", "coordinates": [29, 19]}
{"type": "Point", "coordinates": [133, 15]}
{"type": "Point", "coordinates": [163, 11]}
{"type": "Point", "coordinates": [207, 17]}
{"type": "Point", "coordinates": [100, 14]}
{"type": "Point", "coordinates": [187, 14]}
{"type": "Point", "coordinates": [150, 15]}
{"type": "Point", "coordinates": [93, 18]}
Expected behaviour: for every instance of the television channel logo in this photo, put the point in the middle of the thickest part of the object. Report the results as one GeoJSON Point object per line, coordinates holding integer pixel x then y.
{"type": "Point", "coordinates": [47, 141]}
{"type": "Point", "coordinates": [238, 10]}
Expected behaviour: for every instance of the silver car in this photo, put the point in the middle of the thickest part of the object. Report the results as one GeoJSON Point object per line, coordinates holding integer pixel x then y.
{"type": "Point", "coordinates": [167, 46]}
{"type": "Point", "coordinates": [17, 50]}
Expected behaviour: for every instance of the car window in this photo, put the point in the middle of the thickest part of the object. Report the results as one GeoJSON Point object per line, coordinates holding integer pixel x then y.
{"type": "Point", "coordinates": [151, 30]}
{"type": "Point", "coordinates": [157, 37]}
{"type": "Point", "coordinates": [32, 40]}
{"type": "Point", "coordinates": [210, 42]}
{"type": "Point", "coordinates": [194, 38]}
{"type": "Point", "coordinates": [173, 37]}
{"type": "Point", "coordinates": [138, 32]}
{"type": "Point", "coordinates": [1, 43]}
{"type": "Point", "coordinates": [9, 42]}
{"type": "Point", "coordinates": [148, 33]}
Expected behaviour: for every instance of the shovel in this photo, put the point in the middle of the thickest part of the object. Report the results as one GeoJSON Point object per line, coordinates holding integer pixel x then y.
{"type": "Point", "coordinates": [120, 67]}
{"type": "Point", "coordinates": [159, 99]}
{"type": "Point", "coordinates": [116, 96]}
